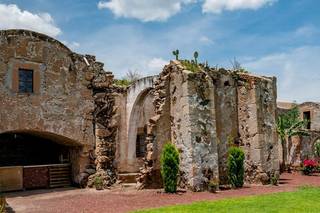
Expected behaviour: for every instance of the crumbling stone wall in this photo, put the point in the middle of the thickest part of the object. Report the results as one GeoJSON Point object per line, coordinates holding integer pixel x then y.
{"type": "Point", "coordinates": [257, 126]}
{"type": "Point", "coordinates": [194, 117]}
{"type": "Point", "coordinates": [300, 148]}
{"type": "Point", "coordinates": [209, 111]}
{"type": "Point", "coordinates": [226, 116]}
{"type": "Point", "coordinates": [62, 102]}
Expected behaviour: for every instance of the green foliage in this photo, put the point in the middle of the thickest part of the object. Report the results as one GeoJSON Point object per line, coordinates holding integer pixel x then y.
{"type": "Point", "coordinates": [236, 166]}
{"type": "Point", "coordinates": [317, 148]}
{"type": "Point", "coordinates": [274, 179]}
{"type": "Point", "coordinates": [122, 82]}
{"type": "Point", "coordinates": [176, 54]}
{"type": "Point", "coordinates": [98, 183]}
{"type": "Point", "coordinates": [196, 55]}
{"type": "Point", "coordinates": [190, 65]}
{"type": "Point", "coordinates": [170, 167]}
{"type": "Point", "coordinates": [289, 124]}
{"type": "Point", "coordinates": [128, 79]}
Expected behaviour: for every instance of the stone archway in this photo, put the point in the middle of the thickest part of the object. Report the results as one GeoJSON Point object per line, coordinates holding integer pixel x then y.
{"type": "Point", "coordinates": [142, 111]}
{"type": "Point", "coordinates": [33, 159]}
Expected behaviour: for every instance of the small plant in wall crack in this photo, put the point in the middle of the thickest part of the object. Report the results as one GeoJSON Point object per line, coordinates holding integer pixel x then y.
{"type": "Point", "coordinates": [98, 183]}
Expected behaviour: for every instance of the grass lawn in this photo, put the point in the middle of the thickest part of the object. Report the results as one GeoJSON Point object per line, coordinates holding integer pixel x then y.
{"type": "Point", "coordinates": [306, 199]}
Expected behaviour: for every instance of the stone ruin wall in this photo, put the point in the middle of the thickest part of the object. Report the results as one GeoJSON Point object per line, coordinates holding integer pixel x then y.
{"type": "Point", "coordinates": [257, 127]}
{"type": "Point", "coordinates": [194, 132]}
{"type": "Point", "coordinates": [226, 117]}
{"type": "Point", "coordinates": [209, 112]}
{"type": "Point", "coordinates": [69, 99]}
{"type": "Point", "coordinates": [61, 103]}
{"type": "Point", "coordinates": [199, 112]}
{"type": "Point", "coordinates": [300, 148]}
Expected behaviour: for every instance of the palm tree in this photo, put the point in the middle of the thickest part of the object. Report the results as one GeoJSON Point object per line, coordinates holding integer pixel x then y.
{"type": "Point", "coordinates": [289, 125]}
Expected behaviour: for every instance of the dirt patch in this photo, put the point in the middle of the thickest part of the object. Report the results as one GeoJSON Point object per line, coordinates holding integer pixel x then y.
{"type": "Point", "coordinates": [125, 200]}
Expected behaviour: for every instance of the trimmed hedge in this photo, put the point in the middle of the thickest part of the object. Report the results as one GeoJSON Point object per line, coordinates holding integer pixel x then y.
{"type": "Point", "coordinates": [236, 167]}
{"type": "Point", "coordinates": [170, 167]}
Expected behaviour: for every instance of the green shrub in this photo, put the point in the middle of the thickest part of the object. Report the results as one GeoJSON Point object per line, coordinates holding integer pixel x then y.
{"type": "Point", "coordinates": [170, 167]}
{"type": "Point", "coordinates": [317, 148]}
{"type": "Point", "coordinates": [98, 183]}
{"type": "Point", "coordinates": [274, 179]}
{"type": "Point", "coordinates": [236, 167]}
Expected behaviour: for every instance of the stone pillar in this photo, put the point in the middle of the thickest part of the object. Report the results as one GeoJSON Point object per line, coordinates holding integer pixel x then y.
{"type": "Point", "coordinates": [257, 127]}
{"type": "Point", "coordinates": [194, 128]}
{"type": "Point", "coordinates": [226, 112]}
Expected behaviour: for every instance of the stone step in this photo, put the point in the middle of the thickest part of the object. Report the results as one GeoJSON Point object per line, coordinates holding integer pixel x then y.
{"type": "Point", "coordinates": [127, 177]}
{"type": "Point", "coordinates": [129, 185]}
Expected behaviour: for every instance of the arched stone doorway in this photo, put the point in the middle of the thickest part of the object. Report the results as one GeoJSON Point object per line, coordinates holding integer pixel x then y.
{"type": "Point", "coordinates": [142, 111]}
{"type": "Point", "coordinates": [34, 159]}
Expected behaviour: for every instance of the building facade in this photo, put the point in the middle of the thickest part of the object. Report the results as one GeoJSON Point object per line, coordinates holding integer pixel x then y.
{"type": "Point", "coordinates": [60, 110]}
{"type": "Point", "coordinates": [301, 148]}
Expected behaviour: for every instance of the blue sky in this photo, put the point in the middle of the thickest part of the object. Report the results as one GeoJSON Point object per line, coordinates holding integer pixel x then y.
{"type": "Point", "coordinates": [271, 37]}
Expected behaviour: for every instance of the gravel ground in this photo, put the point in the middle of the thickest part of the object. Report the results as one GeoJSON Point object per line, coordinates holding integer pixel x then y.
{"type": "Point", "coordinates": [124, 200]}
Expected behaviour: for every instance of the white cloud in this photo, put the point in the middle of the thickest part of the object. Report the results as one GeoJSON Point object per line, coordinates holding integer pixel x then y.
{"type": "Point", "coordinates": [144, 10]}
{"type": "Point", "coordinates": [296, 72]}
{"type": "Point", "coordinates": [217, 6]}
{"type": "Point", "coordinates": [156, 65]}
{"type": "Point", "coordinates": [12, 16]}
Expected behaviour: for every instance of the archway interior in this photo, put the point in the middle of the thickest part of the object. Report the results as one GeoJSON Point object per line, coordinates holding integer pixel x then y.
{"type": "Point", "coordinates": [142, 111]}
{"type": "Point", "coordinates": [23, 149]}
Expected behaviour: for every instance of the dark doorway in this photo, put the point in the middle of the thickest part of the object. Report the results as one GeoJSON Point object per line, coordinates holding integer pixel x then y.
{"type": "Point", "coordinates": [307, 117]}
{"type": "Point", "coordinates": [25, 149]}
{"type": "Point", "coordinates": [34, 160]}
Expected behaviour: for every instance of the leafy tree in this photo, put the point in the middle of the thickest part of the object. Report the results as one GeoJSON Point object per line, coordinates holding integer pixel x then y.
{"type": "Point", "coordinates": [170, 167]}
{"type": "Point", "coordinates": [288, 125]}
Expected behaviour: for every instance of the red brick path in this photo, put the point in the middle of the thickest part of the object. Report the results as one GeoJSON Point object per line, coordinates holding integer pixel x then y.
{"type": "Point", "coordinates": [117, 200]}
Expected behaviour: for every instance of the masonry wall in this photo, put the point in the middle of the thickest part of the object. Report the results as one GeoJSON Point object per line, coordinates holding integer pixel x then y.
{"type": "Point", "coordinates": [196, 137]}
{"type": "Point", "coordinates": [226, 117]}
{"type": "Point", "coordinates": [61, 102]}
{"type": "Point", "coordinates": [257, 126]}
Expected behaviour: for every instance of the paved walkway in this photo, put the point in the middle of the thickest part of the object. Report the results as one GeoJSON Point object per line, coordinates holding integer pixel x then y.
{"type": "Point", "coordinates": [124, 200]}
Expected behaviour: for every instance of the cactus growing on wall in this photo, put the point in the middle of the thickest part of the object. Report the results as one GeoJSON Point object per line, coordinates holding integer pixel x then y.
{"type": "Point", "coordinates": [176, 54]}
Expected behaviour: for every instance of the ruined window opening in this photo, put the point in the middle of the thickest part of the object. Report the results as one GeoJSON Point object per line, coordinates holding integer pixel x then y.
{"type": "Point", "coordinates": [307, 116]}
{"type": "Point", "coordinates": [25, 81]}
{"type": "Point", "coordinates": [140, 143]}
{"type": "Point", "coordinates": [226, 83]}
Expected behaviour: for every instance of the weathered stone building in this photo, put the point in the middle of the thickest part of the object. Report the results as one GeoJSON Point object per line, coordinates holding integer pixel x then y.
{"type": "Point", "coordinates": [302, 147]}
{"type": "Point", "coordinates": [61, 108]}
